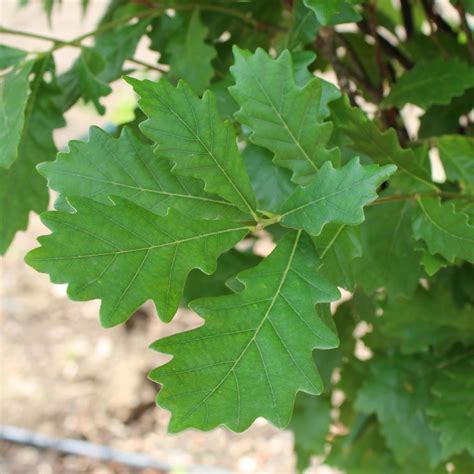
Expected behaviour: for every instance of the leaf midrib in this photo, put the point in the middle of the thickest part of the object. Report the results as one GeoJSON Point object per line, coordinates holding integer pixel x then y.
{"type": "Point", "coordinates": [140, 249]}
{"type": "Point", "coordinates": [257, 330]}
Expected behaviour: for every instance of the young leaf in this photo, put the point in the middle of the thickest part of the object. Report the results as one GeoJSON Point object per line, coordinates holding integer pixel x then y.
{"type": "Point", "coordinates": [125, 167]}
{"type": "Point", "coordinates": [453, 388]}
{"type": "Point", "coordinates": [190, 56]}
{"type": "Point", "coordinates": [383, 148]}
{"type": "Point", "coordinates": [444, 230]}
{"type": "Point", "coordinates": [431, 82]}
{"type": "Point", "coordinates": [189, 131]}
{"type": "Point", "coordinates": [253, 352]}
{"type": "Point", "coordinates": [457, 154]}
{"type": "Point", "coordinates": [14, 90]}
{"type": "Point", "coordinates": [125, 255]}
{"type": "Point", "coordinates": [334, 196]}
{"type": "Point", "coordinates": [287, 119]}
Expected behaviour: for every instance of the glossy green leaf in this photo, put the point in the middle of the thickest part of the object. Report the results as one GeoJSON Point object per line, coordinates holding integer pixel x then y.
{"type": "Point", "coordinates": [253, 352]}
{"type": "Point", "coordinates": [445, 231]}
{"type": "Point", "coordinates": [457, 155]}
{"type": "Point", "coordinates": [284, 118]}
{"type": "Point", "coordinates": [189, 131]}
{"type": "Point", "coordinates": [431, 82]}
{"type": "Point", "coordinates": [125, 255]}
{"type": "Point", "coordinates": [105, 166]}
{"type": "Point", "coordinates": [335, 195]}
{"type": "Point", "coordinates": [14, 90]}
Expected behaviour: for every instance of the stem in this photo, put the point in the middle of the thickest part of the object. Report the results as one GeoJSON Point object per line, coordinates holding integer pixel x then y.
{"type": "Point", "coordinates": [407, 15]}
{"type": "Point", "coordinates": [157, 67]}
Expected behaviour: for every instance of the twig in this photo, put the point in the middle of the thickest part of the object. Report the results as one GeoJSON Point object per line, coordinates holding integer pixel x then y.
{"type": "Point", "coordinates": [407, 15]}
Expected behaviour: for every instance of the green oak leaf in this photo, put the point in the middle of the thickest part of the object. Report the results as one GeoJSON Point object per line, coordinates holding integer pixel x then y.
{"type": "Point", "coordinates": [190, 56]}
{"type": "Point", "coordinates": [397, 391]}
{"type": "Point", "coordinates": [125, 255]}
{"type": "Point", "coordinates": [457, 154]}
{"type": "Point", "coordinates": [253, 353]}
{"type": "Point", "coordinates": [444, 119]}
{"type": "Point", "coordinates": [304, 26]}
{"type": "Point", "coordinates": [445, 231]}
{"type": "Point", "coordinates": [431, 82]}
{"type": "Point", "coordinates": [390, 259]}
{"type": "Point", "coordinates": [452, 390]}
{"type": "Point", "coordinates": [14, 91]}
{"type": "Point", "coordinates": [22, 189]}
{"type": "Point", "coordinates": [337, 246]}
{"type": "Point", "coordinates": [285, 118]}
{"type": "Point", "coordinates": [382, 147]}
{"type": "Point", "coordinates": [335, 195]}
{"type": "Point", "coordinates": [126, 167]}
{"type": "Point", "coordinates": [190, 132]}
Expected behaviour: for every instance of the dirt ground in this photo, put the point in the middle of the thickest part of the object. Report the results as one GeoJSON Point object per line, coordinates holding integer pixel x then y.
{"type": "Point", "coordinates": [61, 374]}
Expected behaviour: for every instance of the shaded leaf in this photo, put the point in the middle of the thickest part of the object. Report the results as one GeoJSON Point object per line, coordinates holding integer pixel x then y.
{"type": "Point", "coordinates": [457, 154]}
{"type": "Point", "coordinates": [190, 56]}
{"type": "Point", "coordinates": [14, 90]}
{"type": "Point", "coordinates": [431, 82]}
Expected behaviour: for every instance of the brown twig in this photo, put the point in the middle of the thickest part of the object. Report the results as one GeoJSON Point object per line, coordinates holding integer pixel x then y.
{"type": "Point", "coordinates": [407, 15]}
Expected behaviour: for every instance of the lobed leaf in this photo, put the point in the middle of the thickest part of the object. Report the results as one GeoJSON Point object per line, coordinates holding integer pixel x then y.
{"type": "Point", "coordinates": [431, 82]}
{"type": "Point", "coordinates": [253, 352]}
{"type": "Point", "coordinates": [288, 120]}
{"type": "Point", "coordinates": [334, 196]}
{"type": "Point", "coordinates": [189, 131]}
{"type": "Point", "coordinates": [126, 167]}
{"type": "Point", "coordinates": [445, 231]}
{"type": "Point", "coordinates": [125, 255]}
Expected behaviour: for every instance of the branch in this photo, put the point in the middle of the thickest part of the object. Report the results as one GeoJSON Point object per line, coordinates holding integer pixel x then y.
{"type": "Point", "coordinates": [407, 15]}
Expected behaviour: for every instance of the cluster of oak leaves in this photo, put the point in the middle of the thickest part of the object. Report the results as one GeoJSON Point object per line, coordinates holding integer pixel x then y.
{"type": "Point", "coordinates": [346, 206]}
